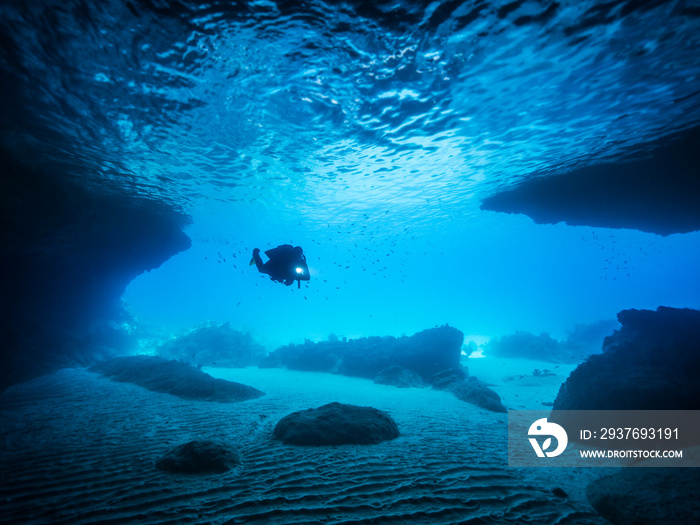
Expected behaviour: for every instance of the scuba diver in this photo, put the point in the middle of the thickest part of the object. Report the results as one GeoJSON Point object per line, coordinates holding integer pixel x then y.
{"type": "Point", "coordinates": [286, 265]}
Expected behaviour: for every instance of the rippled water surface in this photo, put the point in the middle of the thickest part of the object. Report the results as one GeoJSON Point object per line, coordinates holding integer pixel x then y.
{"type": "Point", "coordinates": [344, 103]}
{"type": "Point", "coordinates": [377, 123]}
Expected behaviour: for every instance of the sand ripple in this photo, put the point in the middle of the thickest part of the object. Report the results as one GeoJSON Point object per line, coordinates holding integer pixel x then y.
{"type": "Point", "coordinates": [77, 448]}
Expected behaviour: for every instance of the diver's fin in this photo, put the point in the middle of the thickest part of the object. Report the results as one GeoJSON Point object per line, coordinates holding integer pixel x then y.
{"type": "Point", "coordinates": [252, 262]}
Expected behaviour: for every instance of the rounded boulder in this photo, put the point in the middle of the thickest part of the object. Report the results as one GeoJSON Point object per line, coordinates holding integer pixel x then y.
{"type": "Point", "coordinates": [199, 457]}
{"type": "Point", "coordinates": [336, 424]}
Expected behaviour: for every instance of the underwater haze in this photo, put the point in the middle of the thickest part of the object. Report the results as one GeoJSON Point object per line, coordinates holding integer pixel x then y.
{"type": "Point", "coordinates": [367, 133]}
{"type": "Point", "coordinates": [501, 167]}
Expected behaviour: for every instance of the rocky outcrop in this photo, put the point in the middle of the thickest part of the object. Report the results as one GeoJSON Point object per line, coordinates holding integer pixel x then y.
{"type": "Point", "coordinates": [67, 253]}
{"type": "Point", "coordinates": [445, 379]}
{"type": "Point", "coordinates": [651, 363]}
{"type": "Point", "coordinates": [174, 377]}
{"type": "Point", "coordinates": [477, 393]}
{"type": "Point", "coordinates": [467, 388]}
{"type": "Point", "coordinates": [425, 353]}
{"type": "Point", "coordinates": [657, 194]}
{"type": "Point", "coordinates": [336, 424]}
{"type": "Point", "coordinates": [199, 457]}
{"type": "Point", "coordinates": [399, 377]}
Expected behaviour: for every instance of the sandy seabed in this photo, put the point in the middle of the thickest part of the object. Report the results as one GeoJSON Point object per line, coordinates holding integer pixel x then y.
{"type": "Point", "coordinates": [78, 448]}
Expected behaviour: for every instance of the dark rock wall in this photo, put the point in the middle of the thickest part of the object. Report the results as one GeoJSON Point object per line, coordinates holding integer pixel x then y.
{"type": "Point", "coordinates": [657, 194]}
{"type": "Point", "coordinates": [67, 254]}
{"type": "Point", "coordinates": [651, 363]}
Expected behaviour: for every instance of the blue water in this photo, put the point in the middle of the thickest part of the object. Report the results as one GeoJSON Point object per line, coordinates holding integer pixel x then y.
{"type": "Point", "coordinates": [367, 133]}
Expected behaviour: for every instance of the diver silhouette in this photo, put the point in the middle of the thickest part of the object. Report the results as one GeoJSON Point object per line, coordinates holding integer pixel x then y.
{"type": "Point", "coordinates": [286, 265]}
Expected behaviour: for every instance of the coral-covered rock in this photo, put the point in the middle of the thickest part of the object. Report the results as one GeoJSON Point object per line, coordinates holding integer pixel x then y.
{"type": "Point", "coordinates": [199, 457]}
{"type": "Point", "coordinates": [398, 376]}
{"type": "Point", "coordinates": [174, 377]}
{"type": "Point", "coordinates": [425, 353]}
{"type": "Point", "coordinates": [213, 344]}
{"type": "Point", "coordinates": [336, 424]}
{"type": "Point", "coordinates": [651, 363]}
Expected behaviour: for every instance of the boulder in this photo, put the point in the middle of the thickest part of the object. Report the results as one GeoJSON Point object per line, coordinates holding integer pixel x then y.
{"type": "Point", "coordinates": [199, 457]}
{"type": "Point", "coordinates": [336, 424]}
{"type": "Point", "coordinates": [443, 380]}
{"type": "Point", "coordinates": [467, 388]}
{"type": "Point", "coordinates": [477, 393]}
{"type": "Point", "coordinates": [398, 376]}
{"type": "Point", "coordinates": [174, 377]}
{"type": "Point", "coordinates": [647, 496]}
